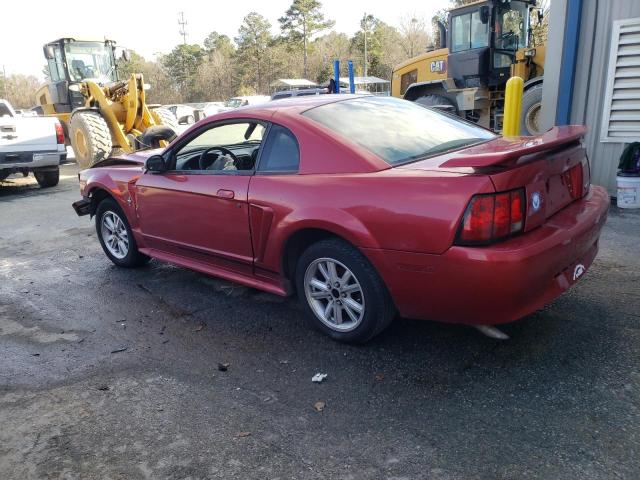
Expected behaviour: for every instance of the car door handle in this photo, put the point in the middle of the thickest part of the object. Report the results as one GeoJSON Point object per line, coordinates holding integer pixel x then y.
{"type": "Point", "coordinates": [222, 193]}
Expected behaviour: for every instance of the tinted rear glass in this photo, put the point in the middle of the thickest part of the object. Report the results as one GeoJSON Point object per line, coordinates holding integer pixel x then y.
{"type": "Point", "coordinates": [398, 131]}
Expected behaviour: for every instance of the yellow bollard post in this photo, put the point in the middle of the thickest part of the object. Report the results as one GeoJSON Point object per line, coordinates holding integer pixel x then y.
{"type": "Point", "coordinates": [512, 107]}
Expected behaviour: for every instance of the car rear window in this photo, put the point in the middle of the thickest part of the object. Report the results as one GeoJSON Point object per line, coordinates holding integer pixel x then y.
{"type": "Point", "coordinates": [398, 131]}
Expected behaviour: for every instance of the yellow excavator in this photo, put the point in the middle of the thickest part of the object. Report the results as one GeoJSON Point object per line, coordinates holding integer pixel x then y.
{"type": "Point", "coordinates": [100, 113]}
{"type": "Point", "coordinates": [485, 44]}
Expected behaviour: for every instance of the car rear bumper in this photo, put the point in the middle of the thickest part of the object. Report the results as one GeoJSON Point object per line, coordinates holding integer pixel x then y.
{"type": "Point", "coordinates": [503, 282]}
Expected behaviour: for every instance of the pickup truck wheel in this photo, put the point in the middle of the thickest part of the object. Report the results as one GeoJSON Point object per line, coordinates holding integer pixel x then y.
{"type": "Point", "coordinates": [116, 237]}
{"type": "Point", "coordinates": [90, 138]}
{"type": "Point", "coordinates": [341, 293]}
{"type": "Point", "coordinates": [47, 178]}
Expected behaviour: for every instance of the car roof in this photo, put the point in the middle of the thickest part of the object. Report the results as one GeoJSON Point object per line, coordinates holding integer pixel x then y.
{"type": "Point", "coordinates": [298, 103]}
{"type": "Point", "coordinates": [287, 112]}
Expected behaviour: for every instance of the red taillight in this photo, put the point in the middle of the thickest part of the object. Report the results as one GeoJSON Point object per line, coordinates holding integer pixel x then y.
{"type": "Point", "coordinates": [59, 134]}
{"type": "Point", "coordinates": [491, 217]}
{"type": "Point", "coordinates": [573, 179]}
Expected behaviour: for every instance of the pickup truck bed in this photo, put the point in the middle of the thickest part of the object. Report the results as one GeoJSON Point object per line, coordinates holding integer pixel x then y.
{"type": "Point", "coordinates": [30, 145]}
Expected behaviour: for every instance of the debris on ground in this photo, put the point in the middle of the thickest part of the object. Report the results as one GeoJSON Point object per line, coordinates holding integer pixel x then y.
{"type": "Point", "coordinates": [118, 350]}
{"type": "Point", "coordinates": [223, 367]}
{"type": "Point", "coordinates": [379, 377]}
{"type": "Point", "coordinates": [319, 406]}
{"type": "Point", "coordinates": [319, 377]}
{"type": "Point", "coordinates": [243, 434]}
{"type": "Point", "coordinates": [103, 387]}
{"type": "Point", "coordinates": [200, 327]}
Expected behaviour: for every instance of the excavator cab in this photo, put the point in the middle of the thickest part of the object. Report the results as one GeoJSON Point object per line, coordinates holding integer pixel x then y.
{"type": "Point", "coordinates": [484, 39]}
{"type": "Point", "coordinates": [71, 62]}
{"type": "Point", "coordinates": [100, 113]}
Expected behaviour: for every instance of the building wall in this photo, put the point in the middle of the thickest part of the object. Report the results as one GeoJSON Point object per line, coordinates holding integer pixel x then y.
{"type": "Point", "coordinates": [590, 78]}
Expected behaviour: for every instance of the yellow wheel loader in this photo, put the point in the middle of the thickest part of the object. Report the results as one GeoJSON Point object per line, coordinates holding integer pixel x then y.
{"type": "Point", "coordinates": [485, 44]}
{"type": "Point", "coordinates": [100, 113]}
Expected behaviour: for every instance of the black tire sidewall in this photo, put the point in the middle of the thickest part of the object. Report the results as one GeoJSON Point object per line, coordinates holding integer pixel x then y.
{"type": "Point", "coordinates": [376, 297]}
{"type": "Point", "coordinates": [531, 96]}
{"type": "Point", "coordinates": [432, 100]}
{"type": "Point", "coordinates": [47, 178]}
{"type": "Point", "coordinates": [133, 258]}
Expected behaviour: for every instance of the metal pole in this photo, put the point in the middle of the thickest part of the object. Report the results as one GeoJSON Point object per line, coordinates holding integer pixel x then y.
{"type": "Point", "coordinates": [352, 85]}
{"type": "Point", "coordinates": [366, 28]}
{"type": "Point", "coordinates": [4, 82]}
{"type": "Point", "coordinates": [336, 76]}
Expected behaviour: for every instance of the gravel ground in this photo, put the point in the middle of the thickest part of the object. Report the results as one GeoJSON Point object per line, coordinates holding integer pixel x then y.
{"type": "Point", "coordinates": [112, 373]}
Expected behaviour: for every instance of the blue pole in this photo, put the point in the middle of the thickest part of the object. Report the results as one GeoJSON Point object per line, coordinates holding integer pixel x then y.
{"type": "Point", "coordinates": [569, 57]}
{"type": "Point", "coordinates": [336, 76]}
{"type": "Point", "coordinates": [352, 85]}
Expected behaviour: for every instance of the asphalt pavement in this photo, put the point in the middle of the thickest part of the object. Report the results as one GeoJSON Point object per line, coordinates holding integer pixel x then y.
{"type": "Point", "coordinates": [161, 372]}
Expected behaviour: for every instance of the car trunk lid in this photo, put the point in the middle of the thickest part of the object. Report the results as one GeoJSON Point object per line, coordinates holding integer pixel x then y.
{"type": "Point", "coordinates": [552, 168]}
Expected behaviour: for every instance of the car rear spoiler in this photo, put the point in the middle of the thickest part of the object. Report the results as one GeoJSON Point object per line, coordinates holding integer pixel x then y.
{"type": "Point", "coordinates": [505, 150]}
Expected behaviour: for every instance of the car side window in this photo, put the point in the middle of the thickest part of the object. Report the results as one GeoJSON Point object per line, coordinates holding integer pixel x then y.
{"type": "Point", "coordinates": [226, 148]}
{"type": "Point", "coordinates": [280, 152]}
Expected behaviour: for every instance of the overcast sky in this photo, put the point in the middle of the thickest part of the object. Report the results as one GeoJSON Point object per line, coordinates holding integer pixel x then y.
{"type": "Point", "coordinates": [26, 25]}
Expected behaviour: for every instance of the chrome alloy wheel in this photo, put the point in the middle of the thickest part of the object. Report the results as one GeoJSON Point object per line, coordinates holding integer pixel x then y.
{"type": "Point", "coordinates": [334, 294]}
{"type": "Point", "coordinates": [114, 235]}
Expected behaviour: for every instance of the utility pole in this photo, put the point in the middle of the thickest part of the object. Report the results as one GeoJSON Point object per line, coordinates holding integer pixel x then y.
{"type": "Point", "coordinates": [366, 28]}
{"type": "Point", "coordinates": [4, 82]}
{"type": "Point", "coordinates": [183, 31]}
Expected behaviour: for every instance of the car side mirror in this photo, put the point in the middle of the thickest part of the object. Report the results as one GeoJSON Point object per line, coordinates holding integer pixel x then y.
{"type": "Point", "coordinates": [155, 164]}
{"type": "Point", "coordinates": [49, 54]}
{"type": "Point", "coordinates": [484, 14]}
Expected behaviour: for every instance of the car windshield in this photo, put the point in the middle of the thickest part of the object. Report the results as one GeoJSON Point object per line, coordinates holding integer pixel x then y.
{"type": "Point", "coordinates": [398, 131]}
{"type": "Point", "coordinates": [90, 60]}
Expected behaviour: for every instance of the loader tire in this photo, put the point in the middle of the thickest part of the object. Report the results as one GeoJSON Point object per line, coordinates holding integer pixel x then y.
{"type": "Point", "coordinates": [90, 138]}
{"type": "Point", "coordinates": [162, 116]}
{"type": "Point", "coordinates": [439, 102]}
{"type": "Point", "coordinates": [531, 111]}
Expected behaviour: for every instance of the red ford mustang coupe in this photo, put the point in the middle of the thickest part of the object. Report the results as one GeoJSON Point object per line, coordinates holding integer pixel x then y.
{"type": "Point", "coordinates": [363, 206]}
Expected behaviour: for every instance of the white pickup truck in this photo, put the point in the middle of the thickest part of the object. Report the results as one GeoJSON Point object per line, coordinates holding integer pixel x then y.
{"type": "Point", "coordinates": [30, 144]}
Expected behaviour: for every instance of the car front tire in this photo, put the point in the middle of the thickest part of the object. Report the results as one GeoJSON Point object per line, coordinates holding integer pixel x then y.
{"type": "Point", "coordinates": [341, 292]}
{"type": "Point", "coordinates": [116, 237]}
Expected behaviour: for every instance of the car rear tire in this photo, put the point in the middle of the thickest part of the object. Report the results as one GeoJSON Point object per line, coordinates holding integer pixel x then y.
{"type": "Point", "coordinates": [47, 178]}
{"type": "Point", "coordinates": [341, 292]}
{"type": "Point", "coordinates": [116, 237]}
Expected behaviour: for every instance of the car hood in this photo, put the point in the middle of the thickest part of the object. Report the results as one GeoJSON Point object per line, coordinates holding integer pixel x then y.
{"type": "Point", "coordinates": [135, 158]}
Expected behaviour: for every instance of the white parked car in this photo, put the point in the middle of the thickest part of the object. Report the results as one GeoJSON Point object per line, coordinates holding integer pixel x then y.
{"type": "Point", "coordinates": [236, 102]}
{"type": "Point", "coordinates": [30, 144]}
{"type": "Point", "coordinates": [185, 114]}
{"type": "Point", "coordinates": [208, 108]}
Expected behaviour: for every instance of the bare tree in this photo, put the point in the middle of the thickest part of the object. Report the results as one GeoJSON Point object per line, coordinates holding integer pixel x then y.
{"type": "Point", "coordinates": [415, 35]}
